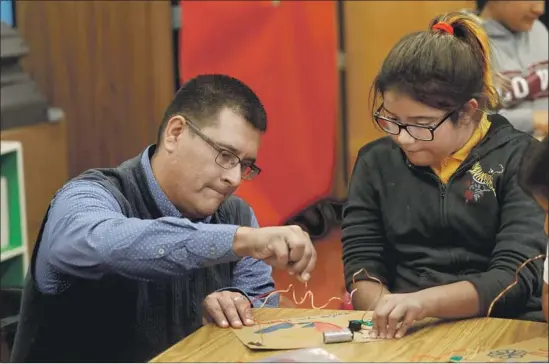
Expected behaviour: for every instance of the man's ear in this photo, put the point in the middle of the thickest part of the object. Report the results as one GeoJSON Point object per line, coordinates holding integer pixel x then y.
{"type": "Point", "coordinates": [468, 112]}
{"type": "Point", "coordinates": [173, 131]}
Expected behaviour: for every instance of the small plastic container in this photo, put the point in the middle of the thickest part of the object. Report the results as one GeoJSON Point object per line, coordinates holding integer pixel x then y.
{"type": "Point", "coordinates": [312, 355]}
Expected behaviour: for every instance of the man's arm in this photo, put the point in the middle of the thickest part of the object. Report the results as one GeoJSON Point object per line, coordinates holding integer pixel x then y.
{"type": "Point", "coordinates": [363, 239]}
{"type": "Point", "coordinates": [521, 236]}
{"type": "Point", "coordinates": [252, 278]}
{"type": "Point", "coordinates": [87, 236]}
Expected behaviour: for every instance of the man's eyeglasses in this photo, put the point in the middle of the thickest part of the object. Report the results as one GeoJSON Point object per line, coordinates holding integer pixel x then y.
{"type": "Point", "coordinates": [225, 158]}
{"type": "Point", "coordinates": [419, 132]}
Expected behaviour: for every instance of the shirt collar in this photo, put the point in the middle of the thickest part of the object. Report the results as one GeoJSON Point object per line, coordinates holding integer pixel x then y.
{"type": "Point", "coordinates": [166, 207]}
{"type": "Point", "coordinates": [477, 136]}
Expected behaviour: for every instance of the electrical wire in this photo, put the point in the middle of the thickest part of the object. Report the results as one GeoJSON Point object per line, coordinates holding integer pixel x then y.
{"type": "Point", "coordinates": [310, 294]}
{"type": "Point", "coordinates": [369, 277]}
{"type": "Point", "coordinates": [514, 283]}
{"type": "Point", "coordinates": [302, 300]}
{"type": "Point", "coordinates": [472, 353]}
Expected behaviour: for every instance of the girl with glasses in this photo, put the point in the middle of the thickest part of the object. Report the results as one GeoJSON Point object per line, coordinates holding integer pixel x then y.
{"type": "Point", "coordinates": [434, 209]}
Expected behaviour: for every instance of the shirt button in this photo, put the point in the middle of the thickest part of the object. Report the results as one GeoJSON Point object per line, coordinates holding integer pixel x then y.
{"type": "Point", "coordinates": [160, 251]}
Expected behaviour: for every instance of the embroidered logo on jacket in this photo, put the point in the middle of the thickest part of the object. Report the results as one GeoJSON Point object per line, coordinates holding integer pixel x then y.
{"type": "Point", "coordinates": [481, 182]}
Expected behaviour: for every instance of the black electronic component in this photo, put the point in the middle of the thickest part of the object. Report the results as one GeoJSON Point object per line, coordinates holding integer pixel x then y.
{"type": "Point", "coordinates": [355, 325]}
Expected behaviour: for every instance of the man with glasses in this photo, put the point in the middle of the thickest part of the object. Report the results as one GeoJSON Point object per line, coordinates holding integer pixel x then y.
{"type": "Point", "coordinates": [134, 258]}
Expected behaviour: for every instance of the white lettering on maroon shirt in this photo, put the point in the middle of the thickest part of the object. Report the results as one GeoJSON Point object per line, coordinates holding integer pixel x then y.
{"type": "Point", "coordinates": [517, 87]}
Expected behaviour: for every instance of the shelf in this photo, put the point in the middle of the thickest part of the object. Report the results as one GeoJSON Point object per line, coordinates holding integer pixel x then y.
{"type": "Point", "coordinates": [9, 146]}
{"type": "Point", "coordinates": [9, 254]}
{"type": "Point", "coordinates": [13, 253]}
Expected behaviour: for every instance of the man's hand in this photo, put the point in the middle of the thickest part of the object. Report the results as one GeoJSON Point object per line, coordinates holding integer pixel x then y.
{"type": "Point", "coordinates": [395, 313]}
{"type": "Point", "coordinates": [285, 247]}
{"type": "Point", "coordinates": [228, 308]}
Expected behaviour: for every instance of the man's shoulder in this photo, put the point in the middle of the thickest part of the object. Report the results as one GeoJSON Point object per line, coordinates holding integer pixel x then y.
{"type": "Point", "coordinates": [78, 190]}
{"type": "Point", "coordinates": [114, 177]}
{"type": "Point", "coordinates": [118, 182]}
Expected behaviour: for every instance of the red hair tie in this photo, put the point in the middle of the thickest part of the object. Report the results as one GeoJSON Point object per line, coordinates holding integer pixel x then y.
{"type": "Point", "coordinates": [445, 27]}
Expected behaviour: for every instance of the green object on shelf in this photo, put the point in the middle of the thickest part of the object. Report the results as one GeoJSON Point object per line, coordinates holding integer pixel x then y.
{"type": "Point", "coordinates": [14, 254]}
{"type": "Point", "coordinates": [10, 173]}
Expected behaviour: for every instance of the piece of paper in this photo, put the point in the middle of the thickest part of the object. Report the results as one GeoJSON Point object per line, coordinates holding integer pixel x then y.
{"type": "Point", "coordinates": [300, 333]}
{"type": "Point", "coordinates": [314, 355]}
{"type": "Point", "coordinates": [529, 351]}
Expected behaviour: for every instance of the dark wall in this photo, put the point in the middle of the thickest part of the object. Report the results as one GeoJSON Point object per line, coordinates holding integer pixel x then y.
{"type": "Point", "coordinates": [108, 65]}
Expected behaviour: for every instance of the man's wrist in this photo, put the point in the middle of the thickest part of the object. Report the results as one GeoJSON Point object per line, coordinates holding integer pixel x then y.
{"type": "Point", "coordinates": [240, 245]}
{"type": "Point", "coordinates": [237, 290]}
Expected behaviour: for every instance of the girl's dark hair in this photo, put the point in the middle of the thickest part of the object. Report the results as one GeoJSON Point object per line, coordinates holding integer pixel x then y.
{"type": "Point", "coordinates": [481, 4]}
{"type": "Point", "coordinates": [439, 69]}
{"type": "Point", "coordinates": [534, 171]}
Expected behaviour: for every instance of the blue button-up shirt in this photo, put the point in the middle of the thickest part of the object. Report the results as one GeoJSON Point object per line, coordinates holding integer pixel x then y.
{"type": "Point", "coordinates": [87, 236]}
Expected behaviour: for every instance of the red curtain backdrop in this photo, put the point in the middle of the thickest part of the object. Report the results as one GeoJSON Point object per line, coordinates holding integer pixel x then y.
{"type": "Point", "coordinates": [287, 53]}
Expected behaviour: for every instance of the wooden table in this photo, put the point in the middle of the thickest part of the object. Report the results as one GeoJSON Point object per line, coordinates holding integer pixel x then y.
{"type": "Point", "coordinates": [439, 340]}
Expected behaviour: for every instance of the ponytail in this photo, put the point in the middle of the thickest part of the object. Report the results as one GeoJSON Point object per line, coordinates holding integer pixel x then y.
{"type": "Point", "coordinates": [443, 67]}
{"type": "Point", "coordinates": [467, 29]}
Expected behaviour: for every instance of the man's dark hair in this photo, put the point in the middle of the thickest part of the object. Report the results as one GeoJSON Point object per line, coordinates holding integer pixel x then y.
{"type": "Point", "coordinates": [534, 171]}
{"type": "Point", "coordinates": [441, 69]}
{"type": "Point", "coordinates": [202, 98]}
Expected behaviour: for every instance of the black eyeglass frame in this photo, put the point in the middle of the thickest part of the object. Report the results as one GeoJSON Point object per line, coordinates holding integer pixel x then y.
{"type": "Point", "coordinates": [401, 125]}
{"type": "Point", "coordinates": [254, 170]}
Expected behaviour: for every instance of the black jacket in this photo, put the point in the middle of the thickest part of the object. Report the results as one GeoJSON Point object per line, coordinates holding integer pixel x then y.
{"type": "Point", "coordinates": [413, 232]}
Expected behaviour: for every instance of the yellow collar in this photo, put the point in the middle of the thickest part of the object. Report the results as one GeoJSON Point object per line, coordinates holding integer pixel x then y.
{"type": "Point", "coordinates": [450, 164]}
{"type": "Point", "coordinates": [478, 135]}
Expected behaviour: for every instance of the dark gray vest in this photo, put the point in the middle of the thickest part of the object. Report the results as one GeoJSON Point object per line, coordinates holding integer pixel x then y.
{"type": "Point", "coordinates": [116, 319]}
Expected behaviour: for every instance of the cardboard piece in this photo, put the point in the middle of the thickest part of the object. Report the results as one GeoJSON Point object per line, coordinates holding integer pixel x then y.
{"type": "Point", "coordinates": [300, 333]}
{"type": "Point", "coordinates": [529, 351]}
